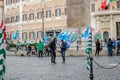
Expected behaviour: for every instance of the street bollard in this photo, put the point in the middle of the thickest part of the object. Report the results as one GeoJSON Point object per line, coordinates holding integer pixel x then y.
{"type": "Point", "coordinates": [91, 68]}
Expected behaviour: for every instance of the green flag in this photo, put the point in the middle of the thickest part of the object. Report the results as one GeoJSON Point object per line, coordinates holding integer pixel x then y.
{"type": "Point", "coordinates": [2, 50]}
{"type": "Point", "coordinates": [112, 0]}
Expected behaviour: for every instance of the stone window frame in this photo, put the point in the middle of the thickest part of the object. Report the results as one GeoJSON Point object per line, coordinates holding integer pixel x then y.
{"type": "Point", "coordinates": [39, 34]}
{"type": "Point", "coordinates": [24, 34]}
{"type": "Point", "coordinates": [48, 13]}
{"type": "Point", "coordinates": [31, 16]}
{"type": "Point", "coordinates": [12, 19]}
{"type": "Point", "coordinates": [39, 15]}
{"type": "Point", "coordinates": [32, 35]}
{"type": "Point", "coordinates": [58, 12]}
{"type": "Point", "coordinates": [92, 7]}
{"type": "Point", "coordinates": [65, 11]}
{"type": "Point", "coordinates": [24, 17]}
{"type": "Point", "coordinates": [17, 18]}
{"type": "Point", "coordinates": [7, 20]}
{"type": "Point", "coordinates": [17, 0]}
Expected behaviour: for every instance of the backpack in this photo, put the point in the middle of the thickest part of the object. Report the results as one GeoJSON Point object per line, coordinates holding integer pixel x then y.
{"type": "Point", "coordinates": [110, 43]}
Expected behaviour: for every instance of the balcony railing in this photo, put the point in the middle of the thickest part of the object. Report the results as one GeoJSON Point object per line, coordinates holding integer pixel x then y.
{"type": "Point", "coordinates": [106, 12]}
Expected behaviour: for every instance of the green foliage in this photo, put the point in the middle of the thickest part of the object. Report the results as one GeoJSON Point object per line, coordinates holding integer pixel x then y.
{"type": "Point", "coordinates": [23, 45]}
{"type": "Point", "coordinates": [34, 44]}
{"type": "Point", "coordinates": [12, 45]}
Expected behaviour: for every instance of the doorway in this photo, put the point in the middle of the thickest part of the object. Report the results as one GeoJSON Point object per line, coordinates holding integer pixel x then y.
{"type": "Point", "coordinates": [105, 35]}
{"type": "Point", "coordinates": [117, 29]}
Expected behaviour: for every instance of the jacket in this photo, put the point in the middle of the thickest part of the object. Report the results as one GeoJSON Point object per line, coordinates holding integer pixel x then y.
{"type": "Point", "coordinates": [52, 45]}
{"type": "Point", "coordinates": [40, 46]}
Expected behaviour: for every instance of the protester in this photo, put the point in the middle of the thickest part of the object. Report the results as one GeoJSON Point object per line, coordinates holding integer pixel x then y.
{"type": "Point", "coordinates": [52, 46]}
{"type": "Point", "coordinates": [34, 50]}
{"type": "Point", "coordinates": [114, 47]}
{"type": "Point", "coordinates": [97, 47]}
{"type": "Point", "coordinates": [110, 46]}
{"type": "Point", "coordinates": [118, 48]}
{"type": "Point", "coordinates": [40, 49]}
{"type": "Point", "coordinates": [101, 46]}
{"type": "Point", "coordinates": [63, 49]}
{"type": "Point", "coordinates": [28, 50]}
{"type": "Point", "coordinates": [47, 48]}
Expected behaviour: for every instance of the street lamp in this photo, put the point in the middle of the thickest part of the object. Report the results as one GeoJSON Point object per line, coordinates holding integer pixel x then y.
{"type": "Point", "coordinates": [43, 19]}
{"type": "Point", "coordinates": [20, 25]}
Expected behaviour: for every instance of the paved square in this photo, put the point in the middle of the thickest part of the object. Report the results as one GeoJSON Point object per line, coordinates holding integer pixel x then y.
{"type": "Point", "coordinates": [34, 68]}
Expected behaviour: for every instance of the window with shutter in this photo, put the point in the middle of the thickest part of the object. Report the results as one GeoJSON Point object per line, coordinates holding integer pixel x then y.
{"type": "Point", "coordinates": [93, 7]}
{"type": "Point", "coordinates": [118, 4]}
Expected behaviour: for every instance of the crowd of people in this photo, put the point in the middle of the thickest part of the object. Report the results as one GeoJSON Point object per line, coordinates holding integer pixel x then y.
{"type": "Point", "coordinates": [111, 44]}
{"type": "Point", "coordinates": [50, 47]}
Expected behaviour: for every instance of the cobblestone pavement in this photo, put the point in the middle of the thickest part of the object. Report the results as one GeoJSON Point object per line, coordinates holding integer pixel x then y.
{"type": "Point", "coordinates": [34, 68]}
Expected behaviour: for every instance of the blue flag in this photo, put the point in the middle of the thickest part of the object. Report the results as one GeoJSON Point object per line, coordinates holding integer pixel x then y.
{"type": "Point", "coordinates": [85, 33]}
{"type": "Point", "coordinates": [15, 35]}
{"type": "Point", "coordinates": [45, 38]}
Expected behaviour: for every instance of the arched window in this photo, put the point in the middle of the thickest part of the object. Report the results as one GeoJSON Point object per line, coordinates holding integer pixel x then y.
{"type": "Point", "coordinates": [105, 35]}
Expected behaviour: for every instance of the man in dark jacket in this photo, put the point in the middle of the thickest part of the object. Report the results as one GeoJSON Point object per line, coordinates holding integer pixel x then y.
{"type": "Point", "coordinates": [28, 49]}
{"type": "Point", "coordinates": [52, 46]}
{"type": "Point", "coordinates": [63, 49]}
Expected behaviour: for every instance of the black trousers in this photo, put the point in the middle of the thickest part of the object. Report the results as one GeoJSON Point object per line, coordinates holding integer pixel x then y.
{"type": "Point", "coordinates": [40, 53]}
{"type": "Point", "coordinates": [53, 56]}
{"type": "Point", "coordinates": [97, 51]}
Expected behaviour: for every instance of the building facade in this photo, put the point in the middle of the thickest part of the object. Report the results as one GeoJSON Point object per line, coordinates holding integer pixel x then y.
{"type": "Point", "coordinates": [1, 10]}
{"type": "Point", "coordinates": [30, 18]}
{"type": "Point", "coordinates": [108, 20]}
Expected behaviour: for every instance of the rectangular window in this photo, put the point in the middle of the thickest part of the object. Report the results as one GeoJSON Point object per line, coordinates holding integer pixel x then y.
{"type": "Point", "coordinates": [65, 11]}
{"type": "Point", "coordinates": [58, 12]}
{"type": "Point", "coordinates": [48, 13]}
{"type": "Point", "coordinates": [12, 1]}
{"type": "Point", "coordinates": [12, 19]}
{"type": "Point", "coordinates": [31, 15]}
{"type": "Point", "coordinates": [7, 20]}
{"type": "Point", "coordinates": [32, 35]}
{"type": "Point", "coordinates": [39, 34]}
{"type": "Point", "coordinates": [118, 4]}
{"type": "Point", "coordinates": [39, 15]}
{"type": "Point", "coordinates": [17, 18]}
{"type": "Point", "coordinates": [93, 7]}
{"type": "Point", "coordinates": [7, 2]}
{"type": "Point", "coordinates": [17, 0]}
{"type": "Point", "coordinates": [24, 36]}
{"type": "Point", "coordinates": [25, 17]}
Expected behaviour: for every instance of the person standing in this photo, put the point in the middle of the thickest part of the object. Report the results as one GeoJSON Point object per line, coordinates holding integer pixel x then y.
{"type": "Point", "coordinates": [29, 49]}
{"type": "Point", "coordinates": [63, 49]}
{"type": "Point", "coordinates": [97, 47]}
{"type": "Point", "coordinates": [47, 49]}
{"type": "Point", "coordinates": [40, 49]}
{"type": "Point", "coordinates": [110, 47]}
{"type": "Point", "coordinates": [52, 46]}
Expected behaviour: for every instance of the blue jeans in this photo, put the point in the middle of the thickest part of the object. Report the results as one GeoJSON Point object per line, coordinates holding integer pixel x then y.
{"type": "Point", "coordinates": [28, 51]}
{"type": "Point", "coordinates": [63, 55]}
{"type": "Point", "coordinates": [110, 51]}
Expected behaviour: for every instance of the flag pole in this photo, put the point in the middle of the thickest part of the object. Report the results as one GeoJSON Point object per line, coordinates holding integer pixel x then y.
{"type": "Point", "coordinates": [91, 58]}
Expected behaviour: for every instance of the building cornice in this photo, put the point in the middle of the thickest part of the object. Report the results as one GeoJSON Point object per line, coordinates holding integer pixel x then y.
{"type": "Point", "coordinates": [106, 12]}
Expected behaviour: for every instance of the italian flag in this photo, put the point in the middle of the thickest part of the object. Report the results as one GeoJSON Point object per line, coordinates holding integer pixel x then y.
{"type": "Point", "coordinates": [105, 3]}
{"type": "Point", "coordinates": [2, 49]}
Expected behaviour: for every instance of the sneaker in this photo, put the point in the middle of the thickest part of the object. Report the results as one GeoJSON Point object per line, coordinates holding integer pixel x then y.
{"type": "Point", "coordinates": [63, 62]}
{"type": "Point", "coordinates": [54, 62]}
